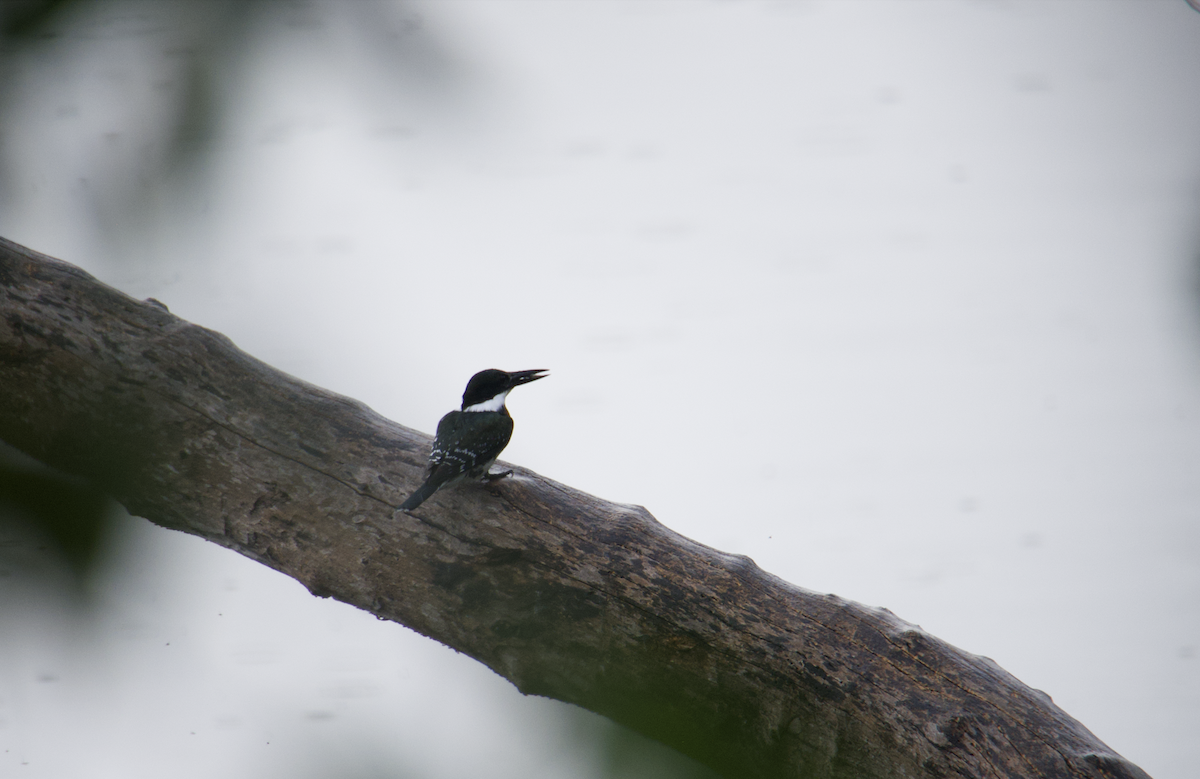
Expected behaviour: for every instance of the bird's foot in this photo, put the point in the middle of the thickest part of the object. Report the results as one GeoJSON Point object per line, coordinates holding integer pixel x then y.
{"type": "Point", "coordinates": [491, 477]}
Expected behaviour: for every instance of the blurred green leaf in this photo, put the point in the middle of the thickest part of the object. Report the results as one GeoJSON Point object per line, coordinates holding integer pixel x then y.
{"type": "Point", "coordinates": [71, 518]}
{"type": "Point", "coordinates": [29, 18]}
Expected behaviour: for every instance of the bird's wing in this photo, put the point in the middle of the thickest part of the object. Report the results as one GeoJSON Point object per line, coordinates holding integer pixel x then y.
{"type": "Point", "coordinates": [459, 447]}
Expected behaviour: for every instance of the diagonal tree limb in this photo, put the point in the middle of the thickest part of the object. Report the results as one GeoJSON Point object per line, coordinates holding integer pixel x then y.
{"type": "Point", "coordinates": [566, 595]}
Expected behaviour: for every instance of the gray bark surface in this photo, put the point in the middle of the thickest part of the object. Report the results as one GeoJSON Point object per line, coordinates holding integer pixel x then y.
{"type": "Point", "coordinates": [566, 595]}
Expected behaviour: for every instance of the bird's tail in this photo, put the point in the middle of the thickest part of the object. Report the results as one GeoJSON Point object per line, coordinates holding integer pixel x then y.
{"type": "Point", "coordinates": [420, 496]}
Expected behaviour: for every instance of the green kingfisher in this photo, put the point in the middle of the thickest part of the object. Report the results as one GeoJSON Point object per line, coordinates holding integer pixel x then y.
{"type": "Point", "coordinates": [470, 440]}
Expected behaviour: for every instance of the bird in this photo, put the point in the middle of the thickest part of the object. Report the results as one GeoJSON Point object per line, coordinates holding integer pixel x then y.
{"type": "Point", "coordinates": [469, 441]}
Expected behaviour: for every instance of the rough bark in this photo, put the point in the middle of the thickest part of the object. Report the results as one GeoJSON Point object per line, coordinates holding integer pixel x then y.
{"type": "Point", "coordinates": [566, 595]}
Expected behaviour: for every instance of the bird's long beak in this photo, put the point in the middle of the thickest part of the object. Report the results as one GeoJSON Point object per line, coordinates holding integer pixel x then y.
{"type": "Point", "coordinates": [524, 377]}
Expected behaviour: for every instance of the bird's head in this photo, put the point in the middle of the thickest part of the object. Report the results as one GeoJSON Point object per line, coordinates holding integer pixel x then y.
{"type": "Point", "coordinates": [487, 390]}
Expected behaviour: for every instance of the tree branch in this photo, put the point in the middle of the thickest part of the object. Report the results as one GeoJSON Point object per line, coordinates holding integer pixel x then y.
{"type": "Point", "coordinates": [566, 595]}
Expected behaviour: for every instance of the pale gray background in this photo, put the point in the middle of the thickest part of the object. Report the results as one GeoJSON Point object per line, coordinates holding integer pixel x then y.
{"type": "Point", "coordinates": [897, 298]}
